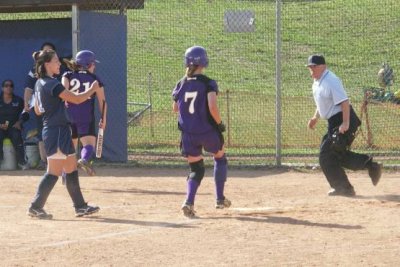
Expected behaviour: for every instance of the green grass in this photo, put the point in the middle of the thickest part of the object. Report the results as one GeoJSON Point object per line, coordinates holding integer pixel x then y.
{"type": "Point", "coordinates": [355, 36]}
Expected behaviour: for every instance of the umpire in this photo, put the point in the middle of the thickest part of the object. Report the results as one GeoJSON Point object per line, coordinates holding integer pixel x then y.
{"type": "Point", "coordinates": [335, 155]}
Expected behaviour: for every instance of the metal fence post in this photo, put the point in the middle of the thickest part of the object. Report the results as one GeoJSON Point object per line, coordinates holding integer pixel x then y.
{"type": "Point", "coordinates": [278, 81]}
{"type": "Point", "coordinates": [75, 29]}
{"type": "Point", "coordinates": [228, 111]}
{"type": "Point", "coordinates": [150, 92]}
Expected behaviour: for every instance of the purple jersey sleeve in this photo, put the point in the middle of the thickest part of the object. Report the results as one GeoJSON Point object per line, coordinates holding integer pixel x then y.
{"type": "Point", "coordinates": [176, 90]}
{"type": "Point", "coordinates": [97, 78]}
{"type": "Point", "coordinates": [212, 86]}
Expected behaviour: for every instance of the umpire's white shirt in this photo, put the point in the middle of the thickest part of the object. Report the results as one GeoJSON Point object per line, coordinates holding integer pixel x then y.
{"type": "Point", "coordinates": [328, 93]}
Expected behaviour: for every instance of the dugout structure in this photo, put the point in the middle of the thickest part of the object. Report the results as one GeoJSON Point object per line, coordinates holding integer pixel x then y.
{"type": "Point", "coordinates": [74, 25]}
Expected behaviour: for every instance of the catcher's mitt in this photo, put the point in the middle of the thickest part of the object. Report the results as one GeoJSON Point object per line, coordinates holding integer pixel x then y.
{"type": "Point", "coordinates": [385, 76]}
{"type": "Point", "coordinates": [341, 142]}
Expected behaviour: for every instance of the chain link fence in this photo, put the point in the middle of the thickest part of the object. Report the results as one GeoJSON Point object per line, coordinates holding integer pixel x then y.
{"type": "Point", "coordinates": [356, 37]}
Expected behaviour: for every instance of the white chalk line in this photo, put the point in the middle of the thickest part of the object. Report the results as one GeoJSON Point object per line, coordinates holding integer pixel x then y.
{"type": "Point", "coordinates": [98, 237]}
{"type": "Point", "coordinates": [259, 209]}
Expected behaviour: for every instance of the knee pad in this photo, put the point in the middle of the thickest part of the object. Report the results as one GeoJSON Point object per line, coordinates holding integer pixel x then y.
{"type": "Point", "coordinates": [196, 171]}
{"type": "Point", "coordinates": [220, 168]}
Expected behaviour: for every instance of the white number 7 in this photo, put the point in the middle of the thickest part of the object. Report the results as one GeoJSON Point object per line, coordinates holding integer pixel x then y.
{"type": "Point", "coordinates": [189, 95]}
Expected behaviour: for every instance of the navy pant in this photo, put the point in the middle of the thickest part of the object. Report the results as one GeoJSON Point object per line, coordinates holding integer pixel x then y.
{"type": "Point", "coordinates": [15, 136]}
{"type": "Point", "coordinates": [333, 163]}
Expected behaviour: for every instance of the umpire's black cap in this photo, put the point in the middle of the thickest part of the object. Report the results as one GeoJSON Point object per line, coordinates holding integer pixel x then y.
{"type": "Point", "coordinates": [315, 60]}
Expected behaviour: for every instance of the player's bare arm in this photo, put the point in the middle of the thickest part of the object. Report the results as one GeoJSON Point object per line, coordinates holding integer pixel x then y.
{"type": "Point", "coordinates": [175, 107]}
{"type": "Point", "coordinates": [345, 105]}
{"type": "Point", "coordinates": [69, 96]}
{"type": "Point", "coordinates": [36, 108]}
{"type": "Point", "coordinates": [28, 92]}
{"type": "Point", "coordinates": [212, 105]}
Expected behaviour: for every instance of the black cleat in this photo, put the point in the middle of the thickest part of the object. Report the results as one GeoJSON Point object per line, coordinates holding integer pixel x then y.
{"type": "Point", "coordinates": [345, 192]}
{"type": "Point", "coordinates": [39, 213]}
{"type": "Point", "coordinates": [86, 166]}
{"type": "Point", "coordinates": [375, 172]}
{"type": "Point", "coordinates": [188, 210]}
{"type": "Point", "coordinates": [223, 203]}
{"type": "Point", "coordinates": [86, 210]}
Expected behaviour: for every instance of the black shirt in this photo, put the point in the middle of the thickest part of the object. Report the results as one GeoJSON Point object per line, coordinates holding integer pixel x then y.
{"type": "Point", "coordinates": [11, 112]}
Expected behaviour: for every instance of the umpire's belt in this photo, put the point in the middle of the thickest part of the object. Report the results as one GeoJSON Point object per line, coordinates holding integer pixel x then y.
{"type": "Point", "coordinates": [337, 119]}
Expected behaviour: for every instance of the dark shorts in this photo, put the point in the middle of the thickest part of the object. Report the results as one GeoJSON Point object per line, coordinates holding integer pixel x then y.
{"type": "Point", "coordinates": [83, 129]}
{"type": "Point", "coordinates": [58, 137]}
{"type": "Point", "coordinates": [193, 144]}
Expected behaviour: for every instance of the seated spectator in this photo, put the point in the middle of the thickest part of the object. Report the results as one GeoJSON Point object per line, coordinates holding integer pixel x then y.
{"type": "Point", "coordinates": [11, 119]}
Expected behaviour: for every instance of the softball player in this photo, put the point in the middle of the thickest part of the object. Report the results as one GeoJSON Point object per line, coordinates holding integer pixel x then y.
{"type": "Point", "coordinates": [82, 115]}
{"type": "Point", "coordinates": [195, 101]}
{"type": "Point", "coordinates": [50, 96]}
{"type": "Point", "coordinates": [30, 82]}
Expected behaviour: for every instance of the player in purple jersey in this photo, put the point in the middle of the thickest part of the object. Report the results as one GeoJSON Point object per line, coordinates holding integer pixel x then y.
{"type": "Point", "coordinates": [79, 80]}
{"type": "Point", "coordinates": [195, 101]}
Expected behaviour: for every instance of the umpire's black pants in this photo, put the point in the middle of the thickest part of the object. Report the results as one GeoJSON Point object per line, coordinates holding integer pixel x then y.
{"type": "Point", "coordinates": [15, 136]}
{"type": "Point", "coordinates": [333, 163]}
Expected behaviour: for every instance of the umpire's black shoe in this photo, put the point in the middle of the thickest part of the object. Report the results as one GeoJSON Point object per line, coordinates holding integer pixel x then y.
{"type": "Point", "coordinates": [340, 191]}
{"type": "Point", "coordinates": [86, 210]}
{"type": "Point", "coordinates": [375, 172]}
{"type": "Point", "coordinates": [39, 213]}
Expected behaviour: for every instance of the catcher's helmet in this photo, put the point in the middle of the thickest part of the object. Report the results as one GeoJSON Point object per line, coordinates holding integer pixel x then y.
{"type": "Point", "coordinates": [196, 56]}
{"type": "Point", "coordinates": [85, 58]}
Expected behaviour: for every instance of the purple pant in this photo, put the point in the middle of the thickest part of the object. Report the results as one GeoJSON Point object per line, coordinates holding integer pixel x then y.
{"type": "Point", "coordinates": [83, 129]}
{"type": "Point", "coordinates": [193, 144]}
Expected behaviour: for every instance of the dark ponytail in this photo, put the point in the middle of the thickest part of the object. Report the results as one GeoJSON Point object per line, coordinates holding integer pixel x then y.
{"type": "Point", "coordinates": [190, 70]}
{"type": "Point", "coordinates": [40, 58]}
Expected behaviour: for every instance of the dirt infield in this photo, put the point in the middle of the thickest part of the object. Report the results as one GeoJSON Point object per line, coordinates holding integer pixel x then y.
{"type": "Point", "coordinates": [278, 218]}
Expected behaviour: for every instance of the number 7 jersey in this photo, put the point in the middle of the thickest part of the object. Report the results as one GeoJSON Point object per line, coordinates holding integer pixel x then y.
{"type": "Point", "coordinates": [190, 94]}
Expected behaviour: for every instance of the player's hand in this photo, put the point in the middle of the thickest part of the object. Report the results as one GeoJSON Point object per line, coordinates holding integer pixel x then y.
{"type": "Point", "coordinates": [102, 124]}
{"type": "Point", "coordinates": [312, 122]}
{"type": "Point", "coordinates": [17, 125]}
{"type": "Point", "coordinates": [221, 127]}
{"type": "Point", "coordinates": [343, 127]}
{"type": "Point", "coordinates": [3, 126]}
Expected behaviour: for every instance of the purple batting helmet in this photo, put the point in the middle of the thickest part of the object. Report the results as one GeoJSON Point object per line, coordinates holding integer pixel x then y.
{"type": "Point", "coordinates": [85, 58]}
{"type": "Point", "coordinates": [196, 56]}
